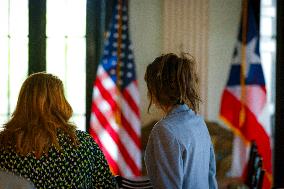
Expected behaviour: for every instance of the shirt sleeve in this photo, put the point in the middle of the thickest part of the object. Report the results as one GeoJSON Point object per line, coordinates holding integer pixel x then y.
{"type": "Point", "coordinates": [163, 159]}
{"type": "Point", "coordinates": [212, 170]}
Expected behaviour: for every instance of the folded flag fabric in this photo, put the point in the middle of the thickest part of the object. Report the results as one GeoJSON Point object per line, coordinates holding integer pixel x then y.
{"type": "Point", "coordinates": [244, 98]}
{"type": "Point", "coordinates": [115, 117]}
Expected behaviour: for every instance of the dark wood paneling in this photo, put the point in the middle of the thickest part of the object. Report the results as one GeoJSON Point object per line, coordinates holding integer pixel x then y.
{"type": "Point", "coordinates": [37, 36]}
{"type": "Point", "coordinates": [279, 104]}
{"type": "Point", "coordinates": [96, 16]}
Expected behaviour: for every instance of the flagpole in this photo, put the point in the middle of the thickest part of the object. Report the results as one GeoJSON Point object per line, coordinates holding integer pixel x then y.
{"type": "Point", "coordinates": [243, 62]}
{"type": "Point", "coordinates": [118, 65]}
{"type": "Point", "coordinates": [115, 120]}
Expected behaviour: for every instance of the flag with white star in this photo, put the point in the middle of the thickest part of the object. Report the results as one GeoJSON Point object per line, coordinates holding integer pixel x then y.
{"type": "Point", "coordinates": [115, 118]}
{"type": "Point", "coordinates": [244, 98]}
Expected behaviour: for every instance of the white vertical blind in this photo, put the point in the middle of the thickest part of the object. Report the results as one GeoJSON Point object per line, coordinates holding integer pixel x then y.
{"type": "Point", "coordinates": [268, 58]}
{"type": "Point", "coordinates": [66, 49]}
{"type": "Point", "coordinates": [185, 29]}
{"type": "Point", "coordinates": [13, 53]}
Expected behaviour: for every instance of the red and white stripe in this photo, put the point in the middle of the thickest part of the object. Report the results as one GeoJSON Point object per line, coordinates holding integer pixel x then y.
{"type": "Point", "coordinates": [252, 129]}
{"type": "Point", "coordinates": [119, 142]}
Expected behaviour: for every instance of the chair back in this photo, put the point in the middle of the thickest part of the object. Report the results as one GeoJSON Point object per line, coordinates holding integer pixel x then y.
{"type": "Point", "coordinates": [251, 163]}
{"type": "Point", "coordinates": [255, 173]}
{"type": "Point", "coordinates": [9, 180]}
{"type": "Point", "coordinates": [258, 177]}
{"type": "Point", "coordinates": [124, 183]}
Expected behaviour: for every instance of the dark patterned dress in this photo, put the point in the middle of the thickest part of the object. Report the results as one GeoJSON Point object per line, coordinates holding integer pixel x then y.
{"type": "Point", "coordinates": [81, 167]}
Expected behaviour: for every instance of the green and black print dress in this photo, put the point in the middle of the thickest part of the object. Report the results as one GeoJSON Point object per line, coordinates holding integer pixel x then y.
{"type": "Point", "coordinates": [82, 167]}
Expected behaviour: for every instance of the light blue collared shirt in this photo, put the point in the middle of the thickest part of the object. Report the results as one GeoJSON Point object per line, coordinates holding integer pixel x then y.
{"type": "Point", "coordinates": [179, 152]}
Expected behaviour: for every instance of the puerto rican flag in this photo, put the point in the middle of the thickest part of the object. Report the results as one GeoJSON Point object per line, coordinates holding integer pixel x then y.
{"type": "Point", "coordinates": [244, 98]}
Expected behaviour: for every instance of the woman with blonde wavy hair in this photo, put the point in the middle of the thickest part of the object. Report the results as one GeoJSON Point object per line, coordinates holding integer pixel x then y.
{"type": "Point", "coordinates": [179, 152]}
{"type": "Point", "coordinates": [41, 144]}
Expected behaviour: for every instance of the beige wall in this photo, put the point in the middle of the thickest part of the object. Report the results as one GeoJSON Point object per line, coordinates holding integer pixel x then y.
{"type": "Point", "coordinates": [224, 16]}
{"type": "Point", "coordinates": [146, 34]}
{"type": "Point", "coordinates": [146, 30]}
{"type": "Point", "coordinates": [185, 24]}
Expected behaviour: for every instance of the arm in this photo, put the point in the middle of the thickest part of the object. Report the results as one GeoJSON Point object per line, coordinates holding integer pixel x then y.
{"type": "Point", "coordinates": [163, 159]}
{"type": "Point", "coordinates": [212, 170]}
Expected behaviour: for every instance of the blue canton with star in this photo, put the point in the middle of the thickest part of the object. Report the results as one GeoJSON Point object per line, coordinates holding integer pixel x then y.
{"type": "Point", "coordinates": [254, 74]}
{"type": "Point", "coordinates": [110, 56]}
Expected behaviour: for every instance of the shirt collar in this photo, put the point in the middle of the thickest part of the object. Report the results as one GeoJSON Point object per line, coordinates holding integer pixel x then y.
{"type": "Point", "coordinates": [180, 108]}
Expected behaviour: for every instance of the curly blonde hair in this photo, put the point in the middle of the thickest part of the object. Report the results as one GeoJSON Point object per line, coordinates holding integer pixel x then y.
{"type": "Point", "coordinates": [171, 80]}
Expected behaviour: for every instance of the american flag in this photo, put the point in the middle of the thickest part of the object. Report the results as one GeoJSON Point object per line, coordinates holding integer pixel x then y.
{"type": "Point", "coordinates": [245, 97]}
{"type": "Point", "coordinates": [115, 118]}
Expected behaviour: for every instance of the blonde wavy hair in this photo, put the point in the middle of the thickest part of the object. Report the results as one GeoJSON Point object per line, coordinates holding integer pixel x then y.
{"type": "Point", "coordinates": [42, 110]}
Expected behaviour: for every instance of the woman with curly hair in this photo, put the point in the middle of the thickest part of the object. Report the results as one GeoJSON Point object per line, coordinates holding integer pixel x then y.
{"type": "Point", "coordinates": [179, 152]}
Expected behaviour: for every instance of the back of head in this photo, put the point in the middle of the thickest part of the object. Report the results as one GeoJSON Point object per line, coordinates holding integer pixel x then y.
{"type": "Point", "coordinates": [41, 110]}
{"type": "Point", "coordinates": [171, 80]}
{"type": "Point", "coordinates": [42, 95]}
